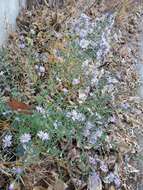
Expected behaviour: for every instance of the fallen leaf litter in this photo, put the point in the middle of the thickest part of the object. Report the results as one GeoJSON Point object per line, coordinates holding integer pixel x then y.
{"type": "Point", "coordinates": [112, 164]}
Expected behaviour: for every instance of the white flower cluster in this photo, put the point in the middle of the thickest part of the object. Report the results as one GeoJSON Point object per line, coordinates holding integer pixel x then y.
{"type": "Point", "coordinates": [84, 43]}
{"type": "Point", "coordinates": [113, 178]}
{"type": "Point", "coordinates": [41, 110]}
{"type": "Point", "coordinates": [57, 124]}
{"type": "Point", "coordinates": [44, 136]}
{"type": "Point", "coordinates": [86, 64]}
{"type": "Point", "coordinates": [104, 45]}
{"type": "Point", "coordinates": [25, 138]}
{"type": "Point", "coordinates": [40, 70]}
{"type": "Point", "coordinates": [7, 141]}
{"type": "Point", "coordinates": [89, 126]}
{"type": "Point", "coordinates": [83, 30]}
{"type": "Point", "coordinates": [65, 90]}
{"type": "Point", "coordinates": [76, 116]}
{"type": "Point", "coordinates": [93, 138]}
{"type": "Point", "coordinates": [75, 81]}
{"type": "Point", "coordinates": [91, 71]}
{"type": "Point", "coordinates": [94, 33]}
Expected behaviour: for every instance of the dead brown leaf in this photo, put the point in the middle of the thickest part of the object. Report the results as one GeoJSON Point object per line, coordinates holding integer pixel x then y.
{"type": "Point", "coordinates": [112, 188]}
{"type": "Point", "coordinates": [50, 187]}
{"type": "Point", "coordinates": [39, 188]}
{"type": "Point", "coordinates": [60, 185]}
{"type": "Point", "coordinates": [73, 154]}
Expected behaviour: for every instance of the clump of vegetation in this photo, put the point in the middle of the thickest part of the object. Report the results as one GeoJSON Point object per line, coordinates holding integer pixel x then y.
{"type": "Point", "coordinates": [57, 104]}
{"type": "Point", "coordinates": [67, 112]}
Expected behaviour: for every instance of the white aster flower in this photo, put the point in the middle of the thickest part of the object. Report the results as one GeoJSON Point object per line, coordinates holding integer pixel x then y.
{"type": "Point", "coordinates": [7, 141]}
{"type": "Point", "coordinates": [32, 31]}
{"type": "Point", "coordinates": [90, 125]}
{"type": "Point", "coordinates": [80, 117]}
{"type": "Point", "coordinates": [58, 79]}
{"type": "Point", "coordinates": [86, 132]}
{"type": "Point", "coordinates": [85, 64]}
{"type": "Point", "coordinates": [44, 136]}
{"type": "Point", "coordinates": [84, 17]}
{"type": "Point", "coordinates": [76, 115]}
{"type": "Point", "coordinates": [84, 43]}
{"type": "Point", "coordinates": [42, 69]}
{"type": "Point", "coordinates": [99, 133]}
{"type": "Point", "coordinates": [103, 167]}
{"type": "Point", "coordinates": [93, 139]}
{"type": "Point", "coordinates": [75, 81]}
{"type": "Point", "coordinates": [57, 124]}
{"type": "Point", "coordinates": [11, 186]}
{"type": "Point", "coordinates": [92, 160]}
{"type": "Point", "coordinates": [83, 33]}
{"type": "Point", "coordinates": [94, 80]}
{"type": "Point", "coordinates": [109, 178]}
{"type": "Point", "coordinates": [65, 90]}
{"type": "Point", "coordinates": [25, 138]}
{"type": "Point", "coordinates": [40, 109]}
